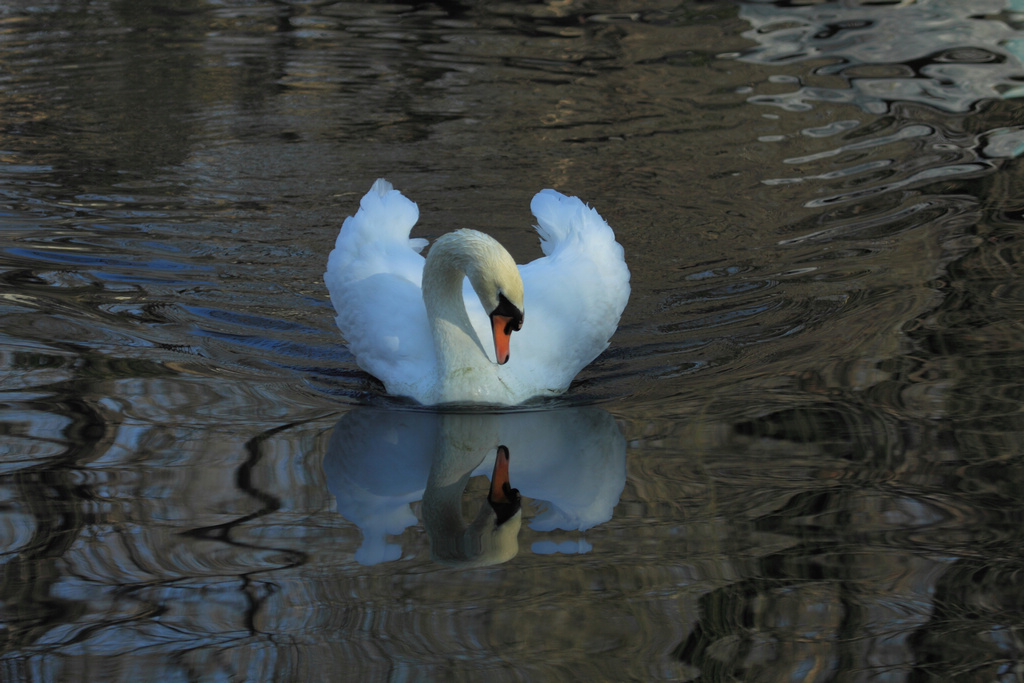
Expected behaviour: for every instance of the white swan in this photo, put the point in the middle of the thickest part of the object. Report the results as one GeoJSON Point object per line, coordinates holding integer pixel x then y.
{"type": "Point", "coordinates": [417, 325]}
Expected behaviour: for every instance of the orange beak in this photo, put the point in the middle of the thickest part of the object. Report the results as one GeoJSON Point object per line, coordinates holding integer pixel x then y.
{"type": "Point", "coordinates": [505, 319]}
{"type": "Point", "coordinates": [502, 327]}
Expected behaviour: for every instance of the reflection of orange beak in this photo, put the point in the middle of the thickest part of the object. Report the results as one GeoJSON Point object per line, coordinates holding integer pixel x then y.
{"type": "Point", "coordinates": [499, 477]}
{"type": "Point", "coordinates": [504, 500]}
{"type": "Point", "coordinates": [502, 326]}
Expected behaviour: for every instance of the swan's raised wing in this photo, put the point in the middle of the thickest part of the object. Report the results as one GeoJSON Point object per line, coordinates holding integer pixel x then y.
{"type": "Point", "coordinates": [573, 296]}
{"type": "Point", "coordinates": [373, 276]}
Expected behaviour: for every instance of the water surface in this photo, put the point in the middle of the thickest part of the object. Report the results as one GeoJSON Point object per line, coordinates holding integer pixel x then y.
{"type": "Point", "coordinates": [798, 460]}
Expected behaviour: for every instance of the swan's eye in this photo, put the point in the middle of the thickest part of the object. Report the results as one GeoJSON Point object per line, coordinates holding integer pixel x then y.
{"type": "Point", "coordinates": [509, 310]}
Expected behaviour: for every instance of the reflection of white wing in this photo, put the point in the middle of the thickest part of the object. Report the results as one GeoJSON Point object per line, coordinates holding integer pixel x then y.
{"type": "Point", "coordinates": [571, 462]}
{"type": "Point", "coordinates": [578, 471]}
{"type": "Point", "coordinates": [376, 465]}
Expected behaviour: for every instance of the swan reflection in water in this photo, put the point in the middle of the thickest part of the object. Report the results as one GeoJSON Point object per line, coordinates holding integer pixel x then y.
{"type": "Point", "coordinates": [571, 462]}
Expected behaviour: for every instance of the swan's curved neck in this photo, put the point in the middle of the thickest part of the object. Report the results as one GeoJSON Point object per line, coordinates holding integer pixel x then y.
{"type": "Point", "coordinates": [456, 344]}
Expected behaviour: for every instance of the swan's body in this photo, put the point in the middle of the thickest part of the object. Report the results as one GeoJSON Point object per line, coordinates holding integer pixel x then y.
{"type": "Point", "coordinates": [420, 327]}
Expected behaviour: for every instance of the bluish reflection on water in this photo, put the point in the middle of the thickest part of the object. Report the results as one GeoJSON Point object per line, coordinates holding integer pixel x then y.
{"type": "Point", "coordinates": [798, 460]}
{"type": "Point", "coordinates": [569, 462]}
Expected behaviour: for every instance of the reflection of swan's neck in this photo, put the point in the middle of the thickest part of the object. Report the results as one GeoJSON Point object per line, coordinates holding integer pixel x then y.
{"type": "Point", "coordinates": [452, 541]}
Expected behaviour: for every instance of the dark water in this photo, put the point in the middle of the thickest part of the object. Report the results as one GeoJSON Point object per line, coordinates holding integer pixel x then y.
{"type": "Point", "coordinates": [800, 459]}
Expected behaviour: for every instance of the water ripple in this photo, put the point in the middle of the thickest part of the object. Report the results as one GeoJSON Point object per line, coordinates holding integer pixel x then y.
{"type": "Point", "coordinates": [954, 57]}
{"type": "Point", "coordinates": [816, 378]}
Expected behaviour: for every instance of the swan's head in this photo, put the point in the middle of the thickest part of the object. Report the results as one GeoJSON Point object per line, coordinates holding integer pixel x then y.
{"type": "Point", "coordinates": [506, 318]}
{"type": "Point", "coordinates": [495, 278]}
